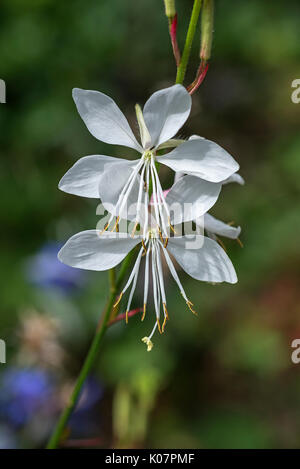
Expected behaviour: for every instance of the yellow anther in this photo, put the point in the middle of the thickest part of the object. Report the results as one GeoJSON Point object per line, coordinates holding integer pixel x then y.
{"type": "Point", "coordinates": [190, 306]}
{"type": "Point", "coordinates": [145, 249]}
{"type": "Point", "coordinates": [165, 310]}
{"type": "Point", "coordinates": [164, 323]}
{"type": "Point", "coordinates": [221, 244]}
{"type": "Point", "coordinates": [171, 226]}
{"type": "Point", "coordinates": [166, 242]}
{"type": "Point", "coordinates": [134, 229]}
{"type": "Point", "coordinates": [158, 325]}
{"type": "Point", "coordinates": [144, 312]}
{"type": "Point", "coordinates": [148, 342]}
{"type": "Point", "coordinates": [105, 228]}
{"type": "Point", "coordinates": [126, 317]}
{"type": "Point", "coordinates": [160, 235]}
{"type": "Point", "coordinates": [240, 242]}
{"type": "Point", "coordinates": [118, 300]}
{"type": "Point", "coordinates": [116, 224]}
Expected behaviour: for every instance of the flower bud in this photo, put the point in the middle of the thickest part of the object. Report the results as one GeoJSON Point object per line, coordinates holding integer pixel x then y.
{"type": "Point", "coordinates": [170, 9]}
{"type": "Point", "coordinates": [207, 20]}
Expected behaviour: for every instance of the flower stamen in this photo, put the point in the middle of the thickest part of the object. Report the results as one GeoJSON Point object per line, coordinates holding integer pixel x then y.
{"type": "Point", "coordinates": [144, 312]}
{"type": "Point", "coordinates": [104, 229]}
{"type": "Point", "coordinates": [221, 243]}
{"type": "Point", "coordinates": [116, 224]}
{"type": "Point", "coordinates": [165, 311]}
{"type": "Point", "coordinates": [144, 247]}
{"type": "Point", "coordinates": [158, 325]}
{"type": "Point", "coordinates": [240, 242]}
{"type": "Point", "coordinates": [134, 229]}
{"type": "Point", "coordinates": [148, 342]}
{"type": "Point", "coordinates": [164, 324]}
{"type": "Point", "coordinates": [190, 306]}
{"type": "Point", "coordinates": [171, 226]}
{"type": "Point", "coordinates": [118, 300]}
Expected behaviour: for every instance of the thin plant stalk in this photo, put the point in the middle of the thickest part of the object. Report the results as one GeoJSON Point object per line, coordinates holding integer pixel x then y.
{"type": "Point", "coordinates": [91, 356]}
{"type": "Point", "coordinates": [181, 70]}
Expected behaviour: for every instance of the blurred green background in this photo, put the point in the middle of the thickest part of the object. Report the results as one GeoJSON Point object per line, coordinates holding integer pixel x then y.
{"type": "Point", "coordinates": [224, 379]}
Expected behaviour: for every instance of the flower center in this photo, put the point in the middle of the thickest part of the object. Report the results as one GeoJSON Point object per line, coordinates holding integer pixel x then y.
{"type": "Point", "coordinates": [153, 233]}
{"type": "Point", "coordinates": [148, 156]}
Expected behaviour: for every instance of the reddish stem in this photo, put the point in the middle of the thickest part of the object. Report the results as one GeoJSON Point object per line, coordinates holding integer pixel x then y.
{"type": "Point", "coordinates": [201, 74]}
{"type": "Point", "coordinates": [173, 36]}
{"type": "Point", "coordinates": [131, 313]}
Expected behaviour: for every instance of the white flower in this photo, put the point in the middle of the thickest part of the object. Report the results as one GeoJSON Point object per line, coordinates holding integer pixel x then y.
{"type": "Point", "coordinates": [215, 227]}
{"type": "Point", "coordinates": [95, 251]}
{"type": "Point", "coordinates": [190, 189]}
{"type": "Point", "coordinates": [121, 183]}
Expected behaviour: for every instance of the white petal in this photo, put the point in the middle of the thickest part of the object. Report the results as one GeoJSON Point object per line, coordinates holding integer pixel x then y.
{"type": "Point", "coordinates": [215, 226]}
{"type": "Point", "coordinates": [194, 137]}
{"type": "Point", "coordinates": [111, 184]}
{"type": "Point", "coordinates": [201, 158]}
{"type": "Point", "coordinates": [83, 178]}
{"type": "Point", "coordinates": [104, 119]}
{"type": "Point", "coordinates": [144, 132]}
{"type": "Point", "coordinates": [165, 112]}
{"type": "Point", "coordinates": [208, 262]}
{"type": "Point", "coordinates": [190, 197]}
{"type": "Point", "coordinates": [92, 251]}
{"type": "Point", "coordinates": [235, 178]}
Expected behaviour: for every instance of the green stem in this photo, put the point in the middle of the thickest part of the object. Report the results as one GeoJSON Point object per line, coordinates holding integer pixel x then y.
{"type": "Point", "coordinates": [92, 353]}
{"type": "Point", "coordinates": [112, 280]}
{"type": "Point", "coordinates": [188, 42]}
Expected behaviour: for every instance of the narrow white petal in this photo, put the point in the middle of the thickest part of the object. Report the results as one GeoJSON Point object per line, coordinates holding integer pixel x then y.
{"type": "Point", "coordinates": [190, 197]}
{"type": "Point", "coordinates": [104, 119]}
{"type": "Point", "coordinates": [165, 112]}
{"type": "Point", "coordinates": [218, 227]}
{"type": "Point", "coordinates": [194, 137]}
{"type": "Point", "coordinates": [235, 178]}
{"type": "Point", "coordinates": [144, 132]}
{"type": "Point", "coordinates": [209, 263]}
{"type": "Point", "coordinates": [83, 177]}
{"type": "Point", "coordinates": [201, 158]}
{"type": "Point", "coordinates": [92, 251]}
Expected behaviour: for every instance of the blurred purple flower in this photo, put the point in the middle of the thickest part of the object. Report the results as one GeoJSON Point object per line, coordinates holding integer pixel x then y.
{"type": "Point", "coordinates": [84, 420]}
{"type": "Point", "coordinates": [45, 270]}
{"type": "Point", "coordinates": [23, 392]}
{"type": "Point", "coordinates": [92, 392]}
